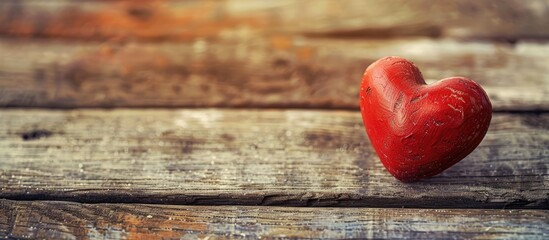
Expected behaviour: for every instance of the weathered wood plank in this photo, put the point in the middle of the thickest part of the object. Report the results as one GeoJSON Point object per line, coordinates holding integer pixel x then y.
{"type": "Point", "coordinates": [67, 220]}
{"type": "Point", "coordinates": [184, 20]}
{"type": "Point", "coordinates": [262, 72]}
{"type": "Point", "coordinates": [254, 157]}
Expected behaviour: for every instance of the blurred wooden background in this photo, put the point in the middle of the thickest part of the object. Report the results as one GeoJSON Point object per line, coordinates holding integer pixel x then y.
{"type": "Point", "coordinates": [262, 54]}
{"type": "Point", "coordinates": [293, 69]}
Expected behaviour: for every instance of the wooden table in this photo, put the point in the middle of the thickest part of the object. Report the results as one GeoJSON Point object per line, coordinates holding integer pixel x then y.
{"type": "Point", "coordinates": [239, 119]}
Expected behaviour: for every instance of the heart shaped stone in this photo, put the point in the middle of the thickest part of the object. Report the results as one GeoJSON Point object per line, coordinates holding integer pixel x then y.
{"type": "Point", "coordinates": [419, 130]}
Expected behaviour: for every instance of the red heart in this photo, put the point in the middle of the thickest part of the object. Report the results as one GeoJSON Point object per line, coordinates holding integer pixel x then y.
{"type": "Point", "coordinates": [419, 130]}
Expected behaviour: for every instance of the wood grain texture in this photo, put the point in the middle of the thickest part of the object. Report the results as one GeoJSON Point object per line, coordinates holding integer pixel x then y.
{"type": "Point", "coordinates": [280, 71]}
{"type": "Point", "coordinates": [184, 20]}
{"type": "Point", "coordinates": [254, 157]}
{"type": "Point", "coordinates": [65, 220]}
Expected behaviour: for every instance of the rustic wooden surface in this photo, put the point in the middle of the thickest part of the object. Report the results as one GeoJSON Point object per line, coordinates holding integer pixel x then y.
{"type": "Point", "coordinates": [45, 219]}
{"type": "Point", "coordinates": [277, 72]}
{"type": "Point", "coordinates": [259, 157]}
{"type": "Point", "coordinates": [283, 54]}
{"type": "Point", "coordinates": [259, 55]}
{"type": "Point", "coordinates": [184, 20]}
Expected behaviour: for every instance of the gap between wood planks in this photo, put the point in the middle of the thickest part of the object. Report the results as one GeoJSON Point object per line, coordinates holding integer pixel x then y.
{"type": "Point", "coordinates": [253, 157]}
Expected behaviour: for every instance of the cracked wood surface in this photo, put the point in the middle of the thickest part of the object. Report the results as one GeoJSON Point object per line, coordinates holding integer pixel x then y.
{"type": "Point", "coordinates": [66, 220]}
{"type": "Point", "coordinates": [282, 71]}
{"type": "Point", "coordinates": [254, 157]}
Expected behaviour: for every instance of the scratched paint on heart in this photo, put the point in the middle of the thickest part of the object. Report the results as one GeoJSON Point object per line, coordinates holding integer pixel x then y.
{"type": "Point", "coordinates": [419, 130]}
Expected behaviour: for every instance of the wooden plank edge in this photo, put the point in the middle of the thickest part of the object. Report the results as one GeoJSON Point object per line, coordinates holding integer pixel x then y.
{"type": "Point", "coordinates": [507, 171]}
{"type": "Point", "coordinates": [297, 74]}
{"type": "Point", "coordinates": [184, 20]}
{"type": "Point", "coordinates": [46, 219]}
